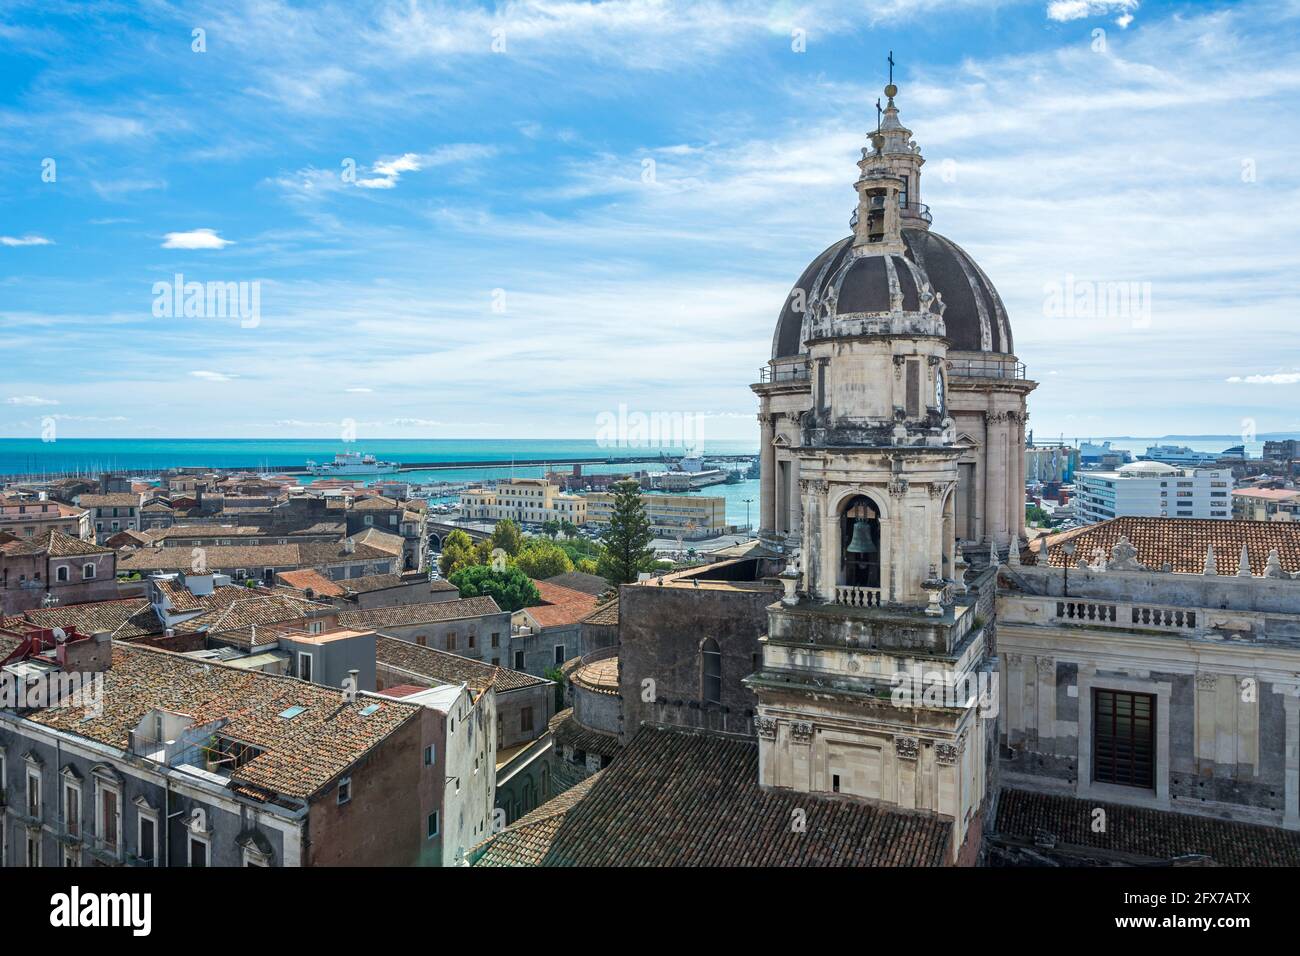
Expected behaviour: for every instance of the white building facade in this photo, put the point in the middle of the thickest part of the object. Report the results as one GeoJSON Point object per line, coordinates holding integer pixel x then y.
{"type": "Point", "coordinates": [1151, 489]}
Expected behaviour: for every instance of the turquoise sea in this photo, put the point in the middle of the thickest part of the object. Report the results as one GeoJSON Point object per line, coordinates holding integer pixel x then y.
{"type": "Point", "coordinates": [148, 456]}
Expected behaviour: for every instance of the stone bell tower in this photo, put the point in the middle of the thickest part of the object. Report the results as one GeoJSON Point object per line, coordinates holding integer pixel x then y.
{"type": "Point", "coordinates": [874, 660]}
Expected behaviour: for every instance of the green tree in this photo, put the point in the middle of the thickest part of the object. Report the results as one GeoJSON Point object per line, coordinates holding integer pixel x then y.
{"type": "Point", "coordinates": [541, 558]}
{"type": "Point", "coordinates": [511, 588]}
{"type": "Point", "coordinates": [507, 537]}
{"type": "Point", "coordinates": [457, 553]}
{"type": "Point", "coordinates": [550, 527]}
{"type": "Point", "coordinates": [586, 566]}
{"type": "Point", "coordinates": [568, 528]}
{"type": "Point", "coordinates": [626, 551]}
{"type": "Point", "coordinates": [557, 675]}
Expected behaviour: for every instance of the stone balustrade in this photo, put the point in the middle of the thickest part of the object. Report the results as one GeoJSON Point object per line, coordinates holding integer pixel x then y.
{"type": "Point", "coordinates": [852, 596]}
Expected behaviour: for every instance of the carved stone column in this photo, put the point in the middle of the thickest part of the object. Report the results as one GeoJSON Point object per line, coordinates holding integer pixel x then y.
{"type": "Point", "coordinates": [996, 458]}
{"type": "Point", "coordinates": [767, 476]}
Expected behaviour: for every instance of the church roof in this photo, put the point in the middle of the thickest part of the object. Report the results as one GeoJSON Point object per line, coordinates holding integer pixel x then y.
{"type": "Point", "coordinates": [677, 797]}
{"type": "Point", "coordinates": [975, 318]}
{"type": "Point", "coordinates": [1137, 834]}
{"type": "Point", "coordinates": [1180, 542]}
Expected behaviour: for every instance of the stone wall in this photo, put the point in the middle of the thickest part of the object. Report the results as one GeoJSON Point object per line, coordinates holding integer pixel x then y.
{"type": "Point", "coordinates": [661, 630]}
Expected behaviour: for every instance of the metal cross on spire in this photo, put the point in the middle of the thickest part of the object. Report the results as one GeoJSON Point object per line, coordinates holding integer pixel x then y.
{"type": "Point", "coordinates": [878, 112]}
{"type": "Point", "coordinates": [891, 66]}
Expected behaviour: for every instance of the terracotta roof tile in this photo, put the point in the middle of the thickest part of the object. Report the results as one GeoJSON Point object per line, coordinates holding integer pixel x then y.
{"type": "Point", "coordinates": [299, 756]}
{"type": "Point", "coordinates": [682, 798]}
{"type": "Point", "coordinates": [525, 842]}
{"type": "Point", "coordinates": [448, 668]}
{"type": "Point", "coordinates": [1156, 835]}
{"type": "Point", "coordinates": [433, 612]}
{"type": "Point", "coordinates": [1181, 542]}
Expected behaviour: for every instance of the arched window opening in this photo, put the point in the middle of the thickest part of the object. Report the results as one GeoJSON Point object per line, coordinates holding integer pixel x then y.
{"type": "Point", "coordinates": [711, 672]}
{"type": "Point", "coordinates": [860, 543]}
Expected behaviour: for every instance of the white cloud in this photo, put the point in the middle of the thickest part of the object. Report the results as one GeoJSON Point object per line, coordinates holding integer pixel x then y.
{"type": "Point", "coordinates": [1276, 378]}
{"type": "Point", "coordinates": [213, 376]}
{"type": "Point", "coordinates": [359, 390]}
{"type": "Point", "coordinates": [1065, 10]}
{"type": "Point", "coordinates": [30, 400]}
{"type": "Point", "coordinates": [28, 240]}
{"type": "Point", "coordinates": [195, 239]}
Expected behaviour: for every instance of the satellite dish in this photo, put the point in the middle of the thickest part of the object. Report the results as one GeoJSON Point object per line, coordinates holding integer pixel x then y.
{"type": "Point", "coordinates": [60, 634]}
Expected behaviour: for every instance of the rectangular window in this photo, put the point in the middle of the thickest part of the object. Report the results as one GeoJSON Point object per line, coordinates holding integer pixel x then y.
{"type": "Point", "coordinates": [72, 810]}
{"type": "Point", "coordinates": [33, 794]}
{"type": "Point", "coordinates": [147, 841]}
{"type": "Point", "coordinates": [559, 654]}
{"type": "Point", "coordinates": [304, 666]}
{"type": "Point", "coordinates": [913, 389]}
{"type": "Point", "coordinates": [519, 660]}
{"type": "Point", "coordinates": [1123, 738]}
{"type": "Point", "coordinates": [496, 640]}
{"type": "Point", "coordinates": [428, 756]}
{"type": "Point", "coordinates": [198, 852]}
{"type": "Point", "coordinates": [345, 790]}
{"type": "Point", "coordinates": [108, 819]}
{"type": "Point", "coordinates": [451, 640]}
{"type": "Point", "coordinates": [525, 719]}
{"type": "Point", "coordinates": [431, 825]}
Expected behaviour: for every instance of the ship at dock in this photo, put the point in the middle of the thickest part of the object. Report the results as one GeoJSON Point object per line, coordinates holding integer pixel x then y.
{"type": "Point", "coordinates": [353, 463]}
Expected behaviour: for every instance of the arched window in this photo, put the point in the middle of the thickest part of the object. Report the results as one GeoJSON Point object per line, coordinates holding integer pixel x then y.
{"type": "Point", "coordinates": [711, 672]}
{"type": "Point", "coordinates": [860, 543]}
{"type": "Point", "coordinates": [88, 571]}
{"type": "Point", "coordinates": [62, 573]}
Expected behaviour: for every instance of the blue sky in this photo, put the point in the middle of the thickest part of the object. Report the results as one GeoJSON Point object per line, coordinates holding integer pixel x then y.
{"type": "Point", "coordinates": [503, 220]}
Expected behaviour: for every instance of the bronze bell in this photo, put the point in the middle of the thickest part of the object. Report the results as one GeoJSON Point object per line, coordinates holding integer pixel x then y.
{"type": "Point", "coordinates": [862, 542]}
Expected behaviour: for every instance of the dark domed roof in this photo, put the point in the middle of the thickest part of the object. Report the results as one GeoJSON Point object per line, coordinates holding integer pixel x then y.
{"type": "Point", "coordinates": [974, 316]}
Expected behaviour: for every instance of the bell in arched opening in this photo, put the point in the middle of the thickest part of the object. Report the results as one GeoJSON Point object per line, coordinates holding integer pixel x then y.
{"type": "Point", "coordinates": [860, 544]}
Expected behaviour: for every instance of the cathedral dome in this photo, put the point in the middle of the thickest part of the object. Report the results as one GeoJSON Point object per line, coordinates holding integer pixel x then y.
{"type": "Point", "coordinates": [975, 319]}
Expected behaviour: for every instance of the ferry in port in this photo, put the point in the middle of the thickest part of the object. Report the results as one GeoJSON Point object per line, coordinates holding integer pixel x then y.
{"type": "Point", "coordinates": [353, 463]}
{"type": "Point", "coordinates": [1178, 455]}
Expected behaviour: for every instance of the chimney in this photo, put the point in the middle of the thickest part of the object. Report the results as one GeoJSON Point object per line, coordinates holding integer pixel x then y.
{"type": "Point", "coordinates": [89, 655]}
{"type": "Point", "coordinates": [349, 546]}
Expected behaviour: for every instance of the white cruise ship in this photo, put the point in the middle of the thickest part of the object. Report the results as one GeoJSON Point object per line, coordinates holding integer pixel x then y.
{"type": "Point", "coordinates": [1179, 455]}
{"type": "Point", "coordinates": [353, 463]}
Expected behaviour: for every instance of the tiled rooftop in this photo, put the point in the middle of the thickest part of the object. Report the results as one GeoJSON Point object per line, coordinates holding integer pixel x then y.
{"type": "Point", "coordinates": [592, 584]}
{"type": "Point", "coordinates": [125, 619]}
{"type": "Point", "coordinates": [525, 842]}
{"type": "Point", "coordinates": [604, 616]}
{"type": "Point", "coordinates": [561, 606]}
{"type": "Point", "coordinates": [305, 554]}
{"type": "Point", "coordinates": [683, 798]}
{"type": "Point", "coordinates": [431, 612]}
{"type": "Point", "coordinates": [441, 666]}
{"type": "Point", "coordinates": [568, 732]}
{"type": "Point", "coordinates": [300, 755]}
{"type": "Point", "coordinates": [1148, 835]}
{"type": "Point", "coordinates": [1181, 542]}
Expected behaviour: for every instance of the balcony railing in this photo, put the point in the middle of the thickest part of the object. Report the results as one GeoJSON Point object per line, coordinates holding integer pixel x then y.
{"type": "Point", "coordinates": [982, 368]}
{"type": "Point", "coordinates": [783, 373]}
{"type": "Point", "coordinates": [1122, 615]}
{"type": "Point", "coordinates": [918, 209]}
{"type": "Point", "coordinates": [850, 595]}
